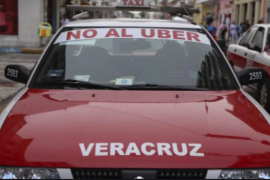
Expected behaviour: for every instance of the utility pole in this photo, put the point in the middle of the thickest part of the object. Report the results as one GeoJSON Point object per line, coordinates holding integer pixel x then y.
{"type": "Point", "coordinates": [213, 7]}
{"type": "Point", "coordinates": [217, 11]}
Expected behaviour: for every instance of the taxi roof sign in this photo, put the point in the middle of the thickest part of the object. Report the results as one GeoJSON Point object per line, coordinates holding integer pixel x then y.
{"type": "Point", "coordinates": [170, 10]}
{"type": "Point", "coordinates": [133, 3]}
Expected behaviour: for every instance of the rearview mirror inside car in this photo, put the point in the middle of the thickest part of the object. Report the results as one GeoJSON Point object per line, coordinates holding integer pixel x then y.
{"type": "Point", "coordinates": [17, 73]}
{"type": "Point", "coordinates": [255, 48]}
{"type": "Point", "coordinates": [139, 44]}
{"type": "Point", "coordinates": [251, 75]}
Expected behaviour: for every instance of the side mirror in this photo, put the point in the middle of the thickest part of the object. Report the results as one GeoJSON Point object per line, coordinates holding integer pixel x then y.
{"type": "Point", "coordinates": [251, 75]}
{"type": "Point", "coordinates": [254, 48]}
{"type": "Point", "coordinates": [17, 73]}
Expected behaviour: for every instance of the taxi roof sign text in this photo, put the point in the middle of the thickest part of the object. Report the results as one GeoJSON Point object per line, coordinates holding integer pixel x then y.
{"type": "Point", "coordinates": [133, 3]}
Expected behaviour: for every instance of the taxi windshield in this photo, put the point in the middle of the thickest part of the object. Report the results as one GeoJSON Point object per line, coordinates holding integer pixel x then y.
{"type": "Point", "coordinates": [133, 58]}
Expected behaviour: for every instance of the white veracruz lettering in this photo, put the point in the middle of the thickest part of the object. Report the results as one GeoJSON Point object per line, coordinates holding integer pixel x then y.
{"type": "Point", "coordinates": [146, 149]}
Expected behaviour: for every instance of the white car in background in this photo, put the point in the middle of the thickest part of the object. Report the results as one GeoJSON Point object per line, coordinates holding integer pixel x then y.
{"type": "Point", "coordinates": [253, 50]}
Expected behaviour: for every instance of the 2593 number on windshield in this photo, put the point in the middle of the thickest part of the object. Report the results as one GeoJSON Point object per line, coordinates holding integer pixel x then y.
{"type": "Point", "coordinates": [255, 76]}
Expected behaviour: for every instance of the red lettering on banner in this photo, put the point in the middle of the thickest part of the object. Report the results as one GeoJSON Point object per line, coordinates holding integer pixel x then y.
{"type": "Point", "coordinates": [75, 36]}
{"type": "Point", "coordinates": [178, 35]}
{"type": "Point", "coordinates": [125, 2]}
{"type": "Point", "coordinates": [193, 36]}
{"type": "Point", "coordinates": [152, 33]}
{"type": "Point", "coordinates": [112, 32]}
{"type": "Point", "coordinates": [164, 33]}
{"type": "Point", "coordinates": [131, 3]}
{"type": "Point", "coordinates": [86, 33]}
{"type": "Point", "coordinates": [124, 33]}
{"type": "Point", "coordinates": [142, 2]}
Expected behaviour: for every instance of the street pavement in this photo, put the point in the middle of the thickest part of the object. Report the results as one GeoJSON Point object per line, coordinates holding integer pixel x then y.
{"type": "Point", "coordinates": [8, 88]}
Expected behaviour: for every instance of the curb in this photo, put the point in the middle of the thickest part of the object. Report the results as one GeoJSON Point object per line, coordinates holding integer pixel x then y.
{"type": "Point", "coordinates": [32, 51]}
{"type": "Point", "coordinates": [21, 50]}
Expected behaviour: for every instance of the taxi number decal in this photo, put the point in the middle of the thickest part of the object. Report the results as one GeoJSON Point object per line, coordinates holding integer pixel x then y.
{"type": "Point", "coordinates": [12, 73]}
{"type": "Point", "coordinates": [102, 33]}
{"type": "Point", "coordinates": [147, 149]}
{"type": "Point", "coordinates": [255, 76]}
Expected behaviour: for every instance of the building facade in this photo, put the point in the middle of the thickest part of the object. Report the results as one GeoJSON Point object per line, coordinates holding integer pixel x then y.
{"type": "Point", "coordinates": [226, 9]}
{"type": "Point", "coordinates": [207, 8]}
{"type": "Point", "coordinates": [20, 20]}
{"type": "Point", "coordinates": [267, 17]}
{"type": "Point", "coordinates": [251, 10]}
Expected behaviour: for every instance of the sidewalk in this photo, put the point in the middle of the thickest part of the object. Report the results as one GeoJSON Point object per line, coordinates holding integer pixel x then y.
{"type": "Point", "coordinates": [24, 50]}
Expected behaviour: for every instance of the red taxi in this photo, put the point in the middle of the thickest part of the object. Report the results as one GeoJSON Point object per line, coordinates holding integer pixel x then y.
{"type": "Point", "coordinates": [134, 99]}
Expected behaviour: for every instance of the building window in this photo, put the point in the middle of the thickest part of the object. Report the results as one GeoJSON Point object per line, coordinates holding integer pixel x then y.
{"type": "Point", "coordinates": [8, 17]}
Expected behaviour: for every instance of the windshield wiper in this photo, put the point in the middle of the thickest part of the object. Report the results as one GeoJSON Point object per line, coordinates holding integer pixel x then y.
{"type": "Point", "coordinates": [81, 84]}
{"type": "Point", "coordinates": [164, 87]}
{"type": "Point", "coordinates": [90, 85]}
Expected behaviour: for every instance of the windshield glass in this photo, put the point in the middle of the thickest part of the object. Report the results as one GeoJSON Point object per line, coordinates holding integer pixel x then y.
{"type": "Point", "coordinates": [134, 57]}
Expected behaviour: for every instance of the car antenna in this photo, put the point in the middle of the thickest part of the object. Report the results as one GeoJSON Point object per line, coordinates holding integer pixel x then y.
{"type": "Point", "coordinates": [186, 17]}
{"type": "Point", "coordinates": [84, 15]}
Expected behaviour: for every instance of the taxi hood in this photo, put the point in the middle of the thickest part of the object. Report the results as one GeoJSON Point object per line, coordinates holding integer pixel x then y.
{"type": "Point", "coordinates": [134, 129]}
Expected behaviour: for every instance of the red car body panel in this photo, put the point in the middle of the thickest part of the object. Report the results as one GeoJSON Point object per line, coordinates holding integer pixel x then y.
{"type": "Point", "coordinates": [241, 62]}
{"type": "Point", "coordinates": [45, 127]}
{"type": "Point", "coordinates": [237, 60]}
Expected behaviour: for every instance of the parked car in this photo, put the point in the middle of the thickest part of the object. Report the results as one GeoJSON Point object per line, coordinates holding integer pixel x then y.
{"type": "Point", "coordinates": [253, 50]}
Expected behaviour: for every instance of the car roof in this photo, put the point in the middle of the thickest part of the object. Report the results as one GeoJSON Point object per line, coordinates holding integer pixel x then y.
{"type": "Point", "coordinates": [133, 23]}
{"type": "Point", "coordinates": [263, 25]}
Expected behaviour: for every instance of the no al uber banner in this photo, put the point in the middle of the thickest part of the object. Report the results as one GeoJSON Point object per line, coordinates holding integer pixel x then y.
{"type": "Point", "coordinates": [138, 33]}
